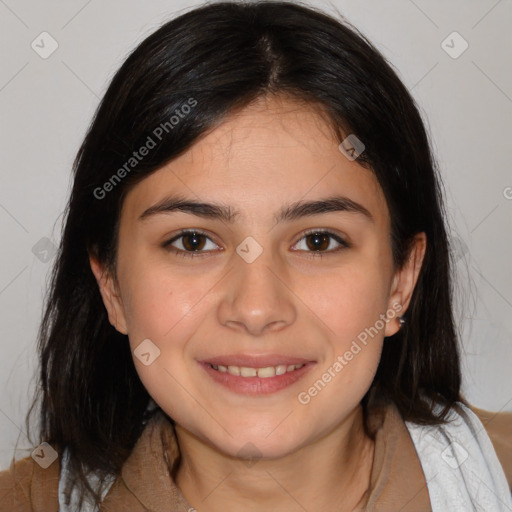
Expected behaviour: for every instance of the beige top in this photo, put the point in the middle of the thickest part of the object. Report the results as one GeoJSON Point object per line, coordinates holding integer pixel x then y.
{"type": "Point", "coordinates": [396, 483]}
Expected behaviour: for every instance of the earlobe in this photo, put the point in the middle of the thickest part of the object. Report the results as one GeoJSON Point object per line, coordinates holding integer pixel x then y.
{"type": "Point", "coordinates": [404, 282]}
{"type": "Point", "coordinates": [110, 295]}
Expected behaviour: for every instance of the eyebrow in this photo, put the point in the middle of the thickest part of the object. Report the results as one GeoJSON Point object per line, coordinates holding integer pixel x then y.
{"type": "Point", "coordinates": [219, 211]}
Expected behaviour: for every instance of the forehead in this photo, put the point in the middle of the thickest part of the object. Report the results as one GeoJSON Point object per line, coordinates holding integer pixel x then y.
{"type": "Point", "coordinates": [274, 151]}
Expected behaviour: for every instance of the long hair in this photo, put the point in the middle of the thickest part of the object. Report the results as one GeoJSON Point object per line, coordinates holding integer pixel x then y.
{"type": "Point", "coordinates": [214, 60]}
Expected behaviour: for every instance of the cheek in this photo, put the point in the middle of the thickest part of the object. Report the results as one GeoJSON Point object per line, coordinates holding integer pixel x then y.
{"type": "Point", "coordinates": [351, 356]}
{"type": "Point", "coordinates": [347, 300]}
{"type": "Point", "coordinates": [156, 302]}
{"type": "Point", "coordinates": [349, 303]}
{"type": "Point", "coordinates": [167, 310]}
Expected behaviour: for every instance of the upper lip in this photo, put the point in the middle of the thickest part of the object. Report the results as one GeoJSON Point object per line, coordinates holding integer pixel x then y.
{"type": "Point", "coordinates": [254, 361]}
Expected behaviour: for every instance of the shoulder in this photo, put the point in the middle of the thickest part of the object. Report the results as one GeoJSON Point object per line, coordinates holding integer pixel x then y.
{"type": "Point", "coordinates": [27, 487]}
{"type": "Point", "coordinates": [498, 426]}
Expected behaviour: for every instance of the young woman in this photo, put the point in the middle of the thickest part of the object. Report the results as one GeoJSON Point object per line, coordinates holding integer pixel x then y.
{"type": "Point", "coordinates": [251, 306]}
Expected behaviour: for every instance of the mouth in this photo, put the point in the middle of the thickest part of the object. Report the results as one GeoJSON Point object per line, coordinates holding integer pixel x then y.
{"type": "Point", "coordinates": [256, 376]}
{"type": "Point", "coordinates": [263, 373]}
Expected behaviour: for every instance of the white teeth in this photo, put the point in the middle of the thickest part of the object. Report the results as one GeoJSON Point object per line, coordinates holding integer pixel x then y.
{"type": "Point", "coordinates": [268, 371]}
{"type": "Point", "coordinates": [234, 370]}
{"type": "Point", "coordinates": [281, 369]}
{"type": "Point", "coordinates": [248, 372]}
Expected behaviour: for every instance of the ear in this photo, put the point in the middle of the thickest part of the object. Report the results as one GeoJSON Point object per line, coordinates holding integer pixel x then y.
{"type": "Point", "coordinates": [404, 282]}
{"type": "Point", "coordinates": [110, 295]}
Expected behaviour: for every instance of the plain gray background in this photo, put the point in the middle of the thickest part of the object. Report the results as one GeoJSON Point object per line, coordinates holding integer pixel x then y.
{"type": "Point", "coordinates": [47, 103]}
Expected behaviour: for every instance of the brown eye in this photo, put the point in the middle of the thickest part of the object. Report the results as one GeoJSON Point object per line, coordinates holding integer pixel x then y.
{"type": "Point", "coordinates": [317, 241]}
{"type": "Point", "coordinates": [193, 241]}
{"type": "Point", "coordinates": [190, 243]}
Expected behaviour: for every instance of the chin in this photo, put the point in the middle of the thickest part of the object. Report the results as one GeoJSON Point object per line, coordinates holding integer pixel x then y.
{"type": "Point", "coordinates": [255, 447]}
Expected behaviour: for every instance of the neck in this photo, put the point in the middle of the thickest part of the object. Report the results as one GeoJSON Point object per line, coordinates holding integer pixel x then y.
{"type": "Point", "coordinates": [333, 472]}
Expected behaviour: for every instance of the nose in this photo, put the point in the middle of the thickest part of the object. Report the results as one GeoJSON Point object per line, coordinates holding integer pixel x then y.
{"type": "Point", "coordinates": [257, 296]}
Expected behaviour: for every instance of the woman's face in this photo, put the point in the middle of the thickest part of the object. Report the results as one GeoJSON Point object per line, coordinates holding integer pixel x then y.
{"type": "Point", "coordinates": [254, 289]}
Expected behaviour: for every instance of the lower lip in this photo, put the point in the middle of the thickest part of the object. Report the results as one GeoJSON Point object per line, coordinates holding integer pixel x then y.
{"type": "Point", "coordinates": [256, 385]}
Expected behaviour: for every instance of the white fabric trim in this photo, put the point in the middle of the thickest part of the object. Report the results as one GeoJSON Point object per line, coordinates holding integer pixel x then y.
{"type": "Point", "coordinates": [461, 467]}
{"type": "Point", "coordinates": [87, 505]}
{"type": "Point", "coordinates": [93, 480]}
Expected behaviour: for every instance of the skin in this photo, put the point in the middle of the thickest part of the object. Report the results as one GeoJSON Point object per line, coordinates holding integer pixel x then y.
{"type": "Point", "coordinates": [288, 301]}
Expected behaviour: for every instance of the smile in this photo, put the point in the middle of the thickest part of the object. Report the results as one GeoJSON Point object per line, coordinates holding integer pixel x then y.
{"type": "Point", "coordinates": [264, 373]}
{"type": "Point", "coordinates": [254, 381]}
